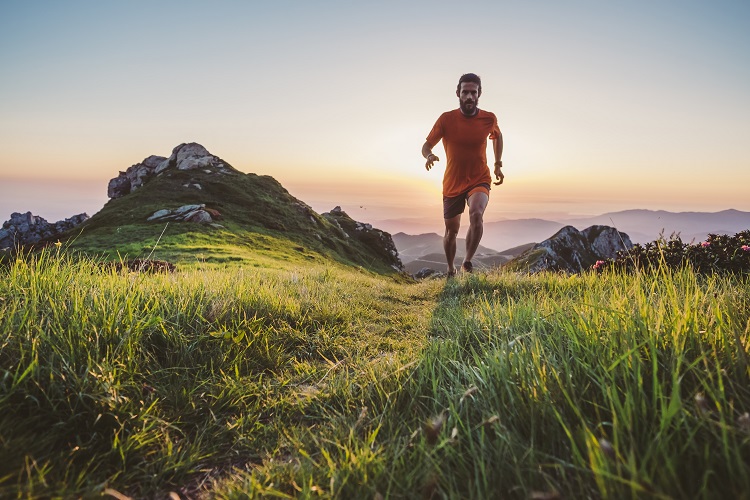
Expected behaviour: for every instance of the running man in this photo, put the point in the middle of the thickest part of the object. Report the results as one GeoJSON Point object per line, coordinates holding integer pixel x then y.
{"type": "Point", "coordinates": [467, 178]}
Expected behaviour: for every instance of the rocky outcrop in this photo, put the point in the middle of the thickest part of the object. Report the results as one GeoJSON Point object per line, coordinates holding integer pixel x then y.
{"type": "Point", "coordinates": [573, 251]}
{"type": "Point", "coordinates": [134, 177]}
{"type": "Point", "coordinates": [27, 229]}
{"type": "Point", "coordinates": [380, 242]}
{"type": "Point", "coordinates": [187, 213]}
{"type": "Point", "coordinates": [186, 156]}
{"type": "Point", "coordinates": [192, 156]}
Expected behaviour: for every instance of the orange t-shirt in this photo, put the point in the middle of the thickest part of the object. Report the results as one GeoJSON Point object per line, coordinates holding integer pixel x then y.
{"type": "Point", "coordinates": [465, 142]}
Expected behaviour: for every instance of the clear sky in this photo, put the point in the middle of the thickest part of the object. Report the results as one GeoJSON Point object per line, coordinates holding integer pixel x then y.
{"type": "Point", "coordinates": [604, 106]}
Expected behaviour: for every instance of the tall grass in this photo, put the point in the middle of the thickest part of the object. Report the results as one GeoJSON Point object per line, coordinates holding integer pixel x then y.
{"type": "Point", "coordinates": [330, 382]}
{"type": "Point", "coordinates": [151, 382]}
{"type": "Point", "coordinates": [613, 385]}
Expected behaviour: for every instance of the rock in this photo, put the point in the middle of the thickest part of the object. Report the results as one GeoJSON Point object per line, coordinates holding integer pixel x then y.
{"type": "Point", "coordinates": [425, 272]}
{"type": "Point", "coordinates": [187, 208]}
{"type": "Point", "coordinates": [192, 156]}
{"type": "Point", "coordinates": [162, 166]}
{"type": "Point", "coordinates": [119, 186]}
{"type": "Point", "coordinates": [134, 177]}
{"type": "Point", "coordinates": [187, 213]}
{"type": "Point", "coordinates": [198, 216]}
{"type": "Point", "coordinates": [188, 150]}
{"type": "Point", "coordinates": [28, 229]}
{"type": "Point", "coordinates": [159, 214]}
{"type": "Point", "coordinates": [573, 251]}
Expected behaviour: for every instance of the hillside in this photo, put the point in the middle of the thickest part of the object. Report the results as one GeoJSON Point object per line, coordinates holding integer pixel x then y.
{"type": "Point", "coordinates": [237, 217]}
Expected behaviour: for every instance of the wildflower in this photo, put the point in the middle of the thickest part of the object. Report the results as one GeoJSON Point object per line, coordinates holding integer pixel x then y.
{"type": "Point", "coordinates": [706, 244]}
{"type": "Point", "coordinates": [745, 248]}
{"type": "Point", "coordinates": [599, 263]}
{"type": "Point", "coordinates": [58, 244]}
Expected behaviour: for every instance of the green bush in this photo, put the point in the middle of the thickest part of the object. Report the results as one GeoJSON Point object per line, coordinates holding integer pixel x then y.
{"type": "Point", "coordinates": [718, 254]}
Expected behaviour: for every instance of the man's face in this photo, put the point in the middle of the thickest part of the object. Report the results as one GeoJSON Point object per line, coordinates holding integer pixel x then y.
{"type": "Point", "coordinates": [468, 97]}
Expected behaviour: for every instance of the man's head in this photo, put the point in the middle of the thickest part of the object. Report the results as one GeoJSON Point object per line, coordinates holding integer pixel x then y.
{"type": "Point", "coordinates": [468, 91]}
{"type": "Point", "coordinates": [471, 78]}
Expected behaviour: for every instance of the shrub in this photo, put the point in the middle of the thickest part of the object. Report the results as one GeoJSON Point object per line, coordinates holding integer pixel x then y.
{"type": "Point", "coordinates": [718, 254]}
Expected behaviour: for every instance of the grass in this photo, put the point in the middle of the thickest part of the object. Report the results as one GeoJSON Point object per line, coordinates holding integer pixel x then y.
{"type": "Point", "coordinates": [328, 381]}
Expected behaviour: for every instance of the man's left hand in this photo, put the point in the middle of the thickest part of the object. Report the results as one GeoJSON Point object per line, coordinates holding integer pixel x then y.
{"type": "Point", "coordinates": [431, 159]}
{"type": "Point", "coordinates": [499, 175]}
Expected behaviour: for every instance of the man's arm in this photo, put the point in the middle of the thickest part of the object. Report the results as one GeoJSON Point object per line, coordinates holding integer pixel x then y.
{"type": "Point", "coordinates": [497, 149]}
{"type": "Point", "coordinates": [431, 158]}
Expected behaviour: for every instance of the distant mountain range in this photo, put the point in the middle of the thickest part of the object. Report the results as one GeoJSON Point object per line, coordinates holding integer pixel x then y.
{"type": "Point", "coordinates": [426, 250]}
{"type": "Point", "coordinates": [646, 225]}
{"type": "Point", "coordinates": [642, 226]}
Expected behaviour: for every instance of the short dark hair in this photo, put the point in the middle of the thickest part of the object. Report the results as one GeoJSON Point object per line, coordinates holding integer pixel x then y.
{"type": "Point", "coordinates": [471, 78]}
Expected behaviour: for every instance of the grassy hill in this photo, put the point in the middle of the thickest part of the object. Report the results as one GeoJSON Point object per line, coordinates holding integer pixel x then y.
{"type": "Point", "coordinates": [261, 225]}
{"type": "Point", "coordinates": [319, 380]}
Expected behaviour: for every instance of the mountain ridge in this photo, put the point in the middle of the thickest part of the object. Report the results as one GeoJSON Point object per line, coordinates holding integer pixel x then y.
{"type": "Point", "coordinates": [642, 225]}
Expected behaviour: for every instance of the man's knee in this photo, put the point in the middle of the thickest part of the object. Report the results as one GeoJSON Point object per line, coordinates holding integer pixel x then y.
{"type": "Point", "coordinates": [476, 218]}
{"type": "Point", "coordinates": [451, 233]}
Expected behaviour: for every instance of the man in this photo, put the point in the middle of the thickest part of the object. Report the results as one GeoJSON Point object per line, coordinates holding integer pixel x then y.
{"type": "Point", "coordinates": [467, 178]}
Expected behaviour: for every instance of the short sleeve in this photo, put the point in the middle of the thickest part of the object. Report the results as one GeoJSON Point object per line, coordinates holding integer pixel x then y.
{"type": "Point", "coordinates": [495, 132]}
{"type": "Point", "coordinates": [436, 133]}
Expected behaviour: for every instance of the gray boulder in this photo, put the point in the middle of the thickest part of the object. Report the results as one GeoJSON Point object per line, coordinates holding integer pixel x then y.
{"type": "Point", "coordinates": [199, 216]}
{"type": "Point", "coordinates": [160, 214]}
{"type": "Point", "coordinates": [187, 213]}
{"type": "Point", "coordinates": [28, 229]}
{"type": "Point", "coordinates": [193, 156]}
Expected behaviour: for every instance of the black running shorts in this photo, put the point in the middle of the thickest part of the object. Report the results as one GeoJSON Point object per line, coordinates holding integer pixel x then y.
{"type": "Point", "coordinates": [455, 205]}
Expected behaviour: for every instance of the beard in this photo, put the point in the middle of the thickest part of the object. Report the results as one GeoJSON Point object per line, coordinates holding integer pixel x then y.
{"type": "Point", "coordinates": [468, 107]}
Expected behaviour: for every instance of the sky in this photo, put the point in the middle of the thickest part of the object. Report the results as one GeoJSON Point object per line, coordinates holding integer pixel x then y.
{"type": "Point", "coordinates": [604, 106]}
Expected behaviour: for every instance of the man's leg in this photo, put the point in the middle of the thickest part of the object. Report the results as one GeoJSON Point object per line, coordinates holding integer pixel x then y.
{"type": "Point", "coordinates": [449, 241]}
{"type": "Point", "coordinates": [477, 205]}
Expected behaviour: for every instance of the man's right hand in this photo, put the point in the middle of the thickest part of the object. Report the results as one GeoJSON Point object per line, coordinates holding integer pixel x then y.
{"type": "Point", "coordinates": [431, 159]}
